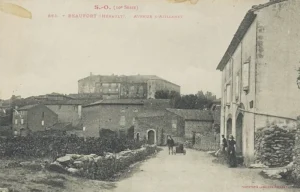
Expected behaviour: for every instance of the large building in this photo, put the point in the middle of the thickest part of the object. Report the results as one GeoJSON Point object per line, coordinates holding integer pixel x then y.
{"type": "Point", "coordinates": [259, 73]}
{"type": "Point", "coordinates": [117, 115]}
{"type": "Point", "coordinates": [124, 87]}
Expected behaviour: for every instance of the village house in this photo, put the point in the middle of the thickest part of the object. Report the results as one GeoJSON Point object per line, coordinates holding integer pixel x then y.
{"type": "Point", "coordinates": [125, 87]}
{"type": "Point", "coordinates": [259, 73]}
{"type": "Point", "coordinates": [68, 111]}
{"type": "Point", "coordinates": [33, 118]}
{"type": "Point", "coordinates": [181, 124]}
{"type": "Point", "coordinates": [117, 115]}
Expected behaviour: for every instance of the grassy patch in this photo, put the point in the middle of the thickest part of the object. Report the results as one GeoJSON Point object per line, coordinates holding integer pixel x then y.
{"type": "Point", "coordinates": [51, 182]}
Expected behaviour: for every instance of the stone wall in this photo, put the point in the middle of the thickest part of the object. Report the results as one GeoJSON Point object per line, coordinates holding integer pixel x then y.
{"type": "Point", "coordinates": [296, 164]}
{"type": "Point", "coordinates": [53, 146]}
{"type": "Point", "coordinates": [100, 167]}
{"type": "Point", "coordinates": [274, 145]}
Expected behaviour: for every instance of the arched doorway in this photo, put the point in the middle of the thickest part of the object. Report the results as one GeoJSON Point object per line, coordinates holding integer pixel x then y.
{"type": "Point", "coordinates": [239, 134]}
{"type": "Point", "coordinates": [151, 137]}
{"type": "Point", "coordinates": [229, 127]}
{"type": "Point", "coordinates": [138, 136]}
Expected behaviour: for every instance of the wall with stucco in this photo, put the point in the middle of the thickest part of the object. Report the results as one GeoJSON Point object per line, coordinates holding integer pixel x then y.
{"type": "Point", "coordinates": [279, 56]}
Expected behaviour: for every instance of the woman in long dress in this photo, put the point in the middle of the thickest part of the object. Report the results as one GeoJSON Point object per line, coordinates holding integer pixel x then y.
{"type": "Point", "coordinates": [231, 152]}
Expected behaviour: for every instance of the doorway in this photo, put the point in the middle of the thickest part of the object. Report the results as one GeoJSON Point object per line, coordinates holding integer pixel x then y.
{"type": "Point", "coordinates": [137, 136]}
{"type": "Point", "coordinates": [229, 128]}
{"type": "Point", "coordinates": [151, 137]}
{"type": "Point", "coordinates": [239, 134]}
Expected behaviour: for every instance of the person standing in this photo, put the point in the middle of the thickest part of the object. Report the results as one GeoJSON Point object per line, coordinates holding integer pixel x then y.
{"type": "Point", "coordinates": [231, 152]}
{"type": "Point", "coordinates": [170, 143]}
{"type": "Point", "coordinates": [224, 144]}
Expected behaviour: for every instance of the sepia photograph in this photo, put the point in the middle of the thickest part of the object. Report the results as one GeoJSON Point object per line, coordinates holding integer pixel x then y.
{"type": "Point", "coordinates": [149, 95]}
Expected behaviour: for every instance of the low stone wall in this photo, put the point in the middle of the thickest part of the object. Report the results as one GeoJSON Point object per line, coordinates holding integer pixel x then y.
{"type": "Point", "coordinates": [100, 167]}
{"type": "Point", "coordinates": [296, 165]}
{"type": "Point", "coordinates": [274, 145]}
{"type": "Point", "coordinates": [56, 146]}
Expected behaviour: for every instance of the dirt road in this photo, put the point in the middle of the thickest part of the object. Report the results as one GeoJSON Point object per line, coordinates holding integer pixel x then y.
{"type": "Point", "coordinates": [194, 172]}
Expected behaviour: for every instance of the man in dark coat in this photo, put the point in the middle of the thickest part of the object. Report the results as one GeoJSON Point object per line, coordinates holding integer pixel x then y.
{"type": "Point", "coordinates": [170, 143]}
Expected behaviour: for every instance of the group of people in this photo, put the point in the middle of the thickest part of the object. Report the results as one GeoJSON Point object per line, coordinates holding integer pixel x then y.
{"type": "Point", "coordinates": [229, 150]}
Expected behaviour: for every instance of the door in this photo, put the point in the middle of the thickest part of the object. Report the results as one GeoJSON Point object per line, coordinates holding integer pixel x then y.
{"type": "Point", "coordinates": [239, 134]}
{"type": "Point", "coordinates": [151, 137]}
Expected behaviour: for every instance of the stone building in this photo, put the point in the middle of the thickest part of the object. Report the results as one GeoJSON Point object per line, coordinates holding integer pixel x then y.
{"type": "Point", "coordinates": [124, 87]}
{"type": "Point", "coordinates": [68, 111]}
{"type": "Point", "coordinates": [181, 124]}
{"type": "Point", "coordinates": [32, 118]}
{"type": "Point", "coordinates": [117, 114]}
{"type": "Point", "coordinates": [259, 73]}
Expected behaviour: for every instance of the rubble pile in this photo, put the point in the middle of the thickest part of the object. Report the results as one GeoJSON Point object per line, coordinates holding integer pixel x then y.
{"type": "Point", "coordinates": [100, 167]}
{"type": "Point", "coordinates": [274, 145]}
{"type": "Point", "coordinates": [296, 167]}
{"type": "Point", "coordinates": [278, 173]}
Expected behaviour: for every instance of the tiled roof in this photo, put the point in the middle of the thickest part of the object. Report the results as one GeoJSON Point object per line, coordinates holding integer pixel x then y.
{"type": "Point", "coordinates": [242, 30]}
{"type": "Point", "coordinates": [27, 107]}
{"type": "Point", "coordinates": [68, 102]}
{"type": "Point", "coordinates": [117, 102]}
{"type": "Point", "coordinates": [192, 114]}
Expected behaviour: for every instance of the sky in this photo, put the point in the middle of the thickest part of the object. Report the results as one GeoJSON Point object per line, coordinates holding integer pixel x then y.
{"type": "Point", "coordinates": [44, 55]}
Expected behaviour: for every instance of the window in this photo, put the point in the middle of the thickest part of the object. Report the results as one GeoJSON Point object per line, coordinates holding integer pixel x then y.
{"type": "Point", "coordinates": [246, 75]}
{"type": "Point", "coordinates": [228, 94]}
{"type": "Point", "coordinates": [43, 114]}
{"type": "Point", "coordinates": [237, 86]}
{"type": "Point", "coordinates": [122, 121]}
{"type": "Point", "coordinates": [22, 121]}
{"type": "Point", "coordinates": [16, 121]}
{"type": "Point", "coordinates": [43, 123]}
{"type": "Point", "coordinates": [174, 124]}
{"type": "Point", "coordinates": [133, 121]}
{"type": "Point", "coordinates": [251, 104]}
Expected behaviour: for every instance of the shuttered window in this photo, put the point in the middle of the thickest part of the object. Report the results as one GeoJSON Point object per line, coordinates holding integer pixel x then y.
{"type": "Point", "coordinates": [237, 86]}
{"type": "Point", "coordinates": [228, 94]}
{"type": "Point", "coordinates": [246, 75]}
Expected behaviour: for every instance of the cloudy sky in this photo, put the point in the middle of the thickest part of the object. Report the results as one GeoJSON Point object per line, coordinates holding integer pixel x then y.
{"type": "Point", "coordinates": [43, 55]}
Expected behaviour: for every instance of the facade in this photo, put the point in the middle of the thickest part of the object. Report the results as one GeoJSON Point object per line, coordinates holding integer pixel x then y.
{"type": "Point", "coordinates": [32, 118]}
{"type": "Point", "coordinates": [125, 87]}
{"type": "Point", "coordinates": [117, 115]}
{"type": "Point", "coordinates": [181, 124]}
{"type": "Point", "coordinates": [190, 121]}
{"type": "Point", "coordinates": [259, 73]}
{"type": "Point", "coordinates": [68, 111]}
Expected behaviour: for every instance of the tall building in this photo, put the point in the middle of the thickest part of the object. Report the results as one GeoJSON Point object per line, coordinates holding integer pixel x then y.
{"type": "Point", "coordinates": [259, 74]}
{"type": "Point", "coordinates": [124, 87]}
